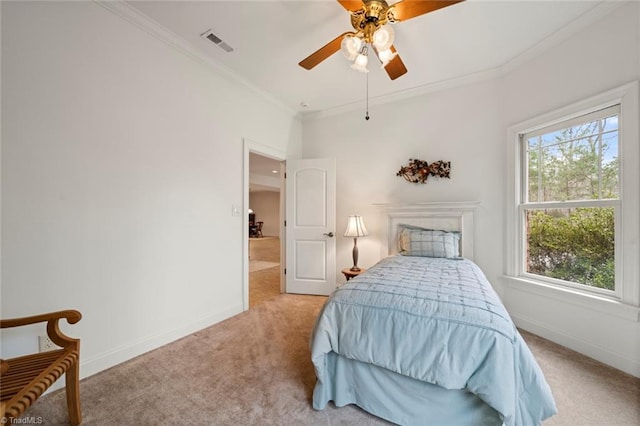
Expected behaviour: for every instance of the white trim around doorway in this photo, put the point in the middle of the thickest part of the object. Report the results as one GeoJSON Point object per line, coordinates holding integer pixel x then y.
{"type": "Point", "coordinates": [266, 151]}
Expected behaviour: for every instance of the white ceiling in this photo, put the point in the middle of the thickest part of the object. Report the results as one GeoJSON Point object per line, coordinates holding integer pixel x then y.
{"type": "Point", "coordinates": [459, 42]}
{"type": "Point", "coordinates": [261, 173]}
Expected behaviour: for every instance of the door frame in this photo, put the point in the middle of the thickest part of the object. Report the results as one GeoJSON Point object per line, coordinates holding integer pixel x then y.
{"type": "Point", "coordinates": [275, 154]}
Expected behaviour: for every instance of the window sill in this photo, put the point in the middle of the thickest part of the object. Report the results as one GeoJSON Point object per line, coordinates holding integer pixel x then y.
{"type": "Point", "coordinates": [566, 295]}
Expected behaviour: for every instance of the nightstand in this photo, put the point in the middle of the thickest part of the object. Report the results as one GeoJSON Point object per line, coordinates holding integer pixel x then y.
{"type": "Point", "coordinates": [348, 273]}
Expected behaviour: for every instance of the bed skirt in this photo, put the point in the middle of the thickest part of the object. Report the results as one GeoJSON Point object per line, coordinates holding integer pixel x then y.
{"type": "Point", "coordinates": [396, 398]}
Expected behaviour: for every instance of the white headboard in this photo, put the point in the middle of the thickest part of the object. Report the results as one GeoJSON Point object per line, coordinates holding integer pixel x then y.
{"type": "Point", "coordinates": [448, 216]}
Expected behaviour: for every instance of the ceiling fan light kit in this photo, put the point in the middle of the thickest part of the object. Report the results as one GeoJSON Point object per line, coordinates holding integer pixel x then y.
{"type": "Point", "coordinates": [354, 48]}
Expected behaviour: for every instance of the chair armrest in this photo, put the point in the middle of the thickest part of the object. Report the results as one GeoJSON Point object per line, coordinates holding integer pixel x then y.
{"type": "Point", "coordinates": [72, 317]}
{"type": "Point", "coordinates": [53, 330]}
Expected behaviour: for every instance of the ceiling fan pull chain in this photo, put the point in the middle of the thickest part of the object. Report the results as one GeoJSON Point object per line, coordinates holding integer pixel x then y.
{"type": "Point", "coordinates": [366, 117]}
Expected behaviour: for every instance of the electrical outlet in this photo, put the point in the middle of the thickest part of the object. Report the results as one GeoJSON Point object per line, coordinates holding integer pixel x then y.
{"type": "Point", "coordinates": [46, 344]}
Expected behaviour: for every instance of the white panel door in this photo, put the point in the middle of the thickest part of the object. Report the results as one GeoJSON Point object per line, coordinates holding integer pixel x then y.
{"type": "Point", "coordinates": [311, 219]}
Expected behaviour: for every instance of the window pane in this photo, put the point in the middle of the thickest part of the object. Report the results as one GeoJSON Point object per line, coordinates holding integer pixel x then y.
{"type": "Point", "coordinates": [575, 245]}
{"type": "Point", "coordinates": [575, 163]}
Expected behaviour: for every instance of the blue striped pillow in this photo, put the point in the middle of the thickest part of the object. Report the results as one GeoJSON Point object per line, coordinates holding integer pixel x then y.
{"type": "Point", "coordinates": [415, 241]}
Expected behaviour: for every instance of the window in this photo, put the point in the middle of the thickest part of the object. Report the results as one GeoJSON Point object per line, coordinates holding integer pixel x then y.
{"type": "Point", "coordinates": [573, 208]}
{"type": "Point", "coordinates": [570, 200]}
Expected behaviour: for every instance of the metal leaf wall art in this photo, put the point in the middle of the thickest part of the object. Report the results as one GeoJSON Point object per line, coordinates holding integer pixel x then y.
{"type": "Point", "coordinates": [418, 171]}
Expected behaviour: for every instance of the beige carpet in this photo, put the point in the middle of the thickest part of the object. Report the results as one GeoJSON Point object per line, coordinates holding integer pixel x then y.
{"type": "Point", "coordinates": [254, 369]}
{"type": "Point", "coordinates": [263, 285]}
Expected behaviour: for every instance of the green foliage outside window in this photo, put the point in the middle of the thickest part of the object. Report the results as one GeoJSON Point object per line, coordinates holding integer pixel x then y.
{"type": "Point", "coordinates": [574, 245]}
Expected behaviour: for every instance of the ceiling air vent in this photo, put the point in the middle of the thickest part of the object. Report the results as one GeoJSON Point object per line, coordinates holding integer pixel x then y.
{"type": "Point", "coordinates": [209, 35]}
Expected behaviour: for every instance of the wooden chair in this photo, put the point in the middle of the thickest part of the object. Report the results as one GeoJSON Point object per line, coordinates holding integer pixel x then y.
{"type": "Point", "coordinates": [24, 379]}
{"type": "Point", "coordinates": [259, 229]}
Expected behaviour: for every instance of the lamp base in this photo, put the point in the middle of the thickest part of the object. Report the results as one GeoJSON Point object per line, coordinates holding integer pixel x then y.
{"type": "Point", "coordinates": [355, 268]}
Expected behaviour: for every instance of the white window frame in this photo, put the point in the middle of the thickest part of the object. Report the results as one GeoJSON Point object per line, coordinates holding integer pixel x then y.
{"type": "Point", "coordinates": [627, 208]}
{"type": "Point", "coordinates": [524, 204]}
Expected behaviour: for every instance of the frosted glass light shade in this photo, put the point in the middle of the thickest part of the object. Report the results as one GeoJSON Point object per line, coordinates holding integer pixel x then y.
{"type": "Point", "coordinates": [362, 60]}
{"type": "Point", "coordinates": [350, 47]}
{"type": "Point", "coordinates": [386, 56]}
{"type": "Point", "coordinates": [383, 37]}
{"type": "Point", "coordinates": [361, 63]}
{"type": "Point", "coordinates": [355, 227]}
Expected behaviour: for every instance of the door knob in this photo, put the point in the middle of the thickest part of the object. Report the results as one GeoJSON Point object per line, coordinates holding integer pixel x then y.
{"type": "Point", "coordinates": [330, 234]}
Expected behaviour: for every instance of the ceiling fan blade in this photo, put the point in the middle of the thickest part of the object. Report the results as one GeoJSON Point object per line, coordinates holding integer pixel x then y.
{"type": "Point", "coordinates": [323, 53]}
{"type": "Point", "coordinates": [351, 5]}
{"type": "Point", "coordinates": [395, 68]}
{"type": "Point", "coordinates": [408, 9]}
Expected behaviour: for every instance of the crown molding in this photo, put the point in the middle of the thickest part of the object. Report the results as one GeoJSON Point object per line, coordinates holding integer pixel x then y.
{"type": "Point", "coordinates": [591, 16]}
{"type": "Point", "coordinates": [414, 92]}
{"type": "Point", "coordinates": [132, 15]}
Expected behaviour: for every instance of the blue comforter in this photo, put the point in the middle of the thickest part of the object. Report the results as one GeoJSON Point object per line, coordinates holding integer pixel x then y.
{"type": "Point", "coordinates": [438, 321]}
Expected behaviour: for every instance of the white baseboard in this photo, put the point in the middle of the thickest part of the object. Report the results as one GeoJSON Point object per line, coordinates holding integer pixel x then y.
{"type": "Point", "coordinates": [589, 349]}
{"type": "Point", "coordinates": [100, 362]}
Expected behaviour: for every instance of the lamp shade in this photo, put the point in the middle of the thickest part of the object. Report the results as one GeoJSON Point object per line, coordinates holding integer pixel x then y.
{"type": "Point", "coordinates": [360, 64]}
{"type": "Point", "coordinates": [361, 68]}
{"type": "Point", "coordinates": [350, 47]}
{"type": "Point", "coordinates": [355, 227]}
{"type": "Point", "coordinates": [383, 37]}
{"type": "Point", "coordinates": [386, 56]}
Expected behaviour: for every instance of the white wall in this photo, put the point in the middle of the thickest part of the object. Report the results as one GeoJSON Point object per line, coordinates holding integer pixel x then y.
{"type": "Point", "coordinates": [121, 160]}
{"type": "Point", "coordinates": [370, 153]}
{"type": "Point", "coordinates": [266, 205]}
{"type": "Point", "coordinates": [467, 126]}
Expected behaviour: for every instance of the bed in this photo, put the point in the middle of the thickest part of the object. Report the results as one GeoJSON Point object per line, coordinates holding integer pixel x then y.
{"type": "Point", "coordinates": [422, 337]}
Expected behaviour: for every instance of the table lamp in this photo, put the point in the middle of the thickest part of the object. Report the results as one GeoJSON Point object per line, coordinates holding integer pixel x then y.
{"type": "Point", "coordinates": [355, 229]}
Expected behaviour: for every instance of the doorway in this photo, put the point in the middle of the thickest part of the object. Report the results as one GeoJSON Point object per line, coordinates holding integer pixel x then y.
{"type": "Point", "coordinates": [264, 219]}
{"type": "Point", "coordinates": [264, 229]}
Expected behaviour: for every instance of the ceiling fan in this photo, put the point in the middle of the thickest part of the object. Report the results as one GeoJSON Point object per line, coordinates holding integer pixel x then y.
{"type": "Point", "coordinates": [370, 19]}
